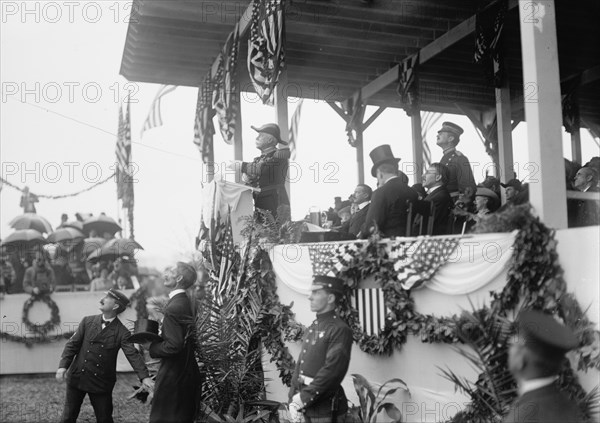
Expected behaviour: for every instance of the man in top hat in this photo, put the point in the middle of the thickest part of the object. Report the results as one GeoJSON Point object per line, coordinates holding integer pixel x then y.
{"type": "Point", "coordinates": [269, 170]}
{"type": "Point", "coordinates": [534, 359]}
{"type": "Point", "coordinates": [323, 362]}
{"type": "Point", "coordinates": [461, 175]}
{"type": "Point", "coordinates": [389, 204]}
{"type": "Point", "coordinates": [178, 380]}
{"type": "Point", "coordinates": [90, 356]}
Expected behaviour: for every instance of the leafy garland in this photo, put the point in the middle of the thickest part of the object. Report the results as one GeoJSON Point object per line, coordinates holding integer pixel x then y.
{"type": "Point", "coordinates": [47, 326]}
{"type": "Point", "coordinates": [535, 280]}
{"type": "Point", "coordinates": [41, 331]}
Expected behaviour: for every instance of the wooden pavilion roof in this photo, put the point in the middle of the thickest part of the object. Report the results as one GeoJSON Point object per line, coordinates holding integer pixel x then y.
{"type": "Point", "coordinates": [336, 47]}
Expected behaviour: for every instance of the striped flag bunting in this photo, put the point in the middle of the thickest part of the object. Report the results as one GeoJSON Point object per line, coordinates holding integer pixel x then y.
{"type": "Point", "coordinates": [204, 129]}
{"type": "Point", "coordinates": [225, 100]}
{"type": "Point", "coordinates": [415, 268]}
{"type": "Point", "coordinates": [266, 47]}
{"type": "Point", "coordinates": [294, 125]}
{"type": "Point", "coordinates": [154, 118]}
{"type": "Point", "coordinates": [408, 83]}
{"type": "Point", "coordinates": [370, 304]}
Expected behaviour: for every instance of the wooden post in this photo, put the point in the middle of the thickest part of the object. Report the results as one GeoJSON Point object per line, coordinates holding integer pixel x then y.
{"type": "Point", "coordinates": [281, 116]}
{"type": "Point", "coordinates": [360, 155]}
{"type": "Point", "coordinates": [541, 93]}
{"type": "Point", "coordinates": [576, 145]}
{"type": "Point", "coordinates": [417, 144]}
{"type": "Point", "coordinates": [504, 127]}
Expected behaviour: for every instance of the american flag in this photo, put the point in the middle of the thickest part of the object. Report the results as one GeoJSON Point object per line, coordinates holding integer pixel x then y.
{"type": "Point", "coordinates": [370, 304]}
{"type": "Point", "coordinates": [124, 172]}
{"type": "Point", "coordinates": [321, 258]}
{"type": "Point", "coordinates": [225, 100]}
{"type": "Point", "coordinates": [204, 129]}
{"type": "Point", "coordinates": [228, 257]}
{"type": "Point", "coordinates": [428, 121]}
{"type": "Point", "coordinates": [408, 82]}
{"type": "Point", "coordinates": [413, 270]}
{"type": "Point", "coordinates": [154, 118]}
{"type": "Point", "coordinates": [266, 47]}
{"type": "Point", "coordinates": [294, 126]}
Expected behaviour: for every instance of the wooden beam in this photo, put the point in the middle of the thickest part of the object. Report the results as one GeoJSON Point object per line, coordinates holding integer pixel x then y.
{"type": "Point", "coordinates": [417, 145]}
{"type": "Point", "coordinates": [281, 116]}
{"type": "Point", "coordinates": [243, 28]}
{"type": "Point", "coordinates": [427, 53]}
{"type": "Point", "coordinates": [504, 131]}
{"type": "Point", "coordinates": [360, 155]}
{"type": "Point", "coordinates": [338, 110]}
{"type": "Point", "coordinates": [372, 118]}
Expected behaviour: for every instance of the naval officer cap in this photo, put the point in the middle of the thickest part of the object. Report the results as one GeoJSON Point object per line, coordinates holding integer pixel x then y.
{"type": "Point", "coordinates": [119, 297]}
{"type": "Point", "coordinates": [328, 283]}
{"type": "Point", "coordinates": [453, 128]}
{"type": "Point", "coordinates": [543, 334]}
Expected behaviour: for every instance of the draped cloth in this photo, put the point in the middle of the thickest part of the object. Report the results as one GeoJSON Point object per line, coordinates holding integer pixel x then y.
{"type": "Point", "coordinates": [477, 261]}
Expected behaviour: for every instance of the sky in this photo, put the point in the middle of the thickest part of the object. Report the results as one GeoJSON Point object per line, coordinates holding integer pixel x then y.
{"type": "Point", "coordinates": [61, 92]}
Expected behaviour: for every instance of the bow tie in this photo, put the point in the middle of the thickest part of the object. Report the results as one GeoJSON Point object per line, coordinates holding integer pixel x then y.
{"type": "Point", "coordinates": [105, 322]}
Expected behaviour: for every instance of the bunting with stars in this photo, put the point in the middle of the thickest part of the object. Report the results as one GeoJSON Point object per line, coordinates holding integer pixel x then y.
{"type": "Point", "coordinates": [321, 258]}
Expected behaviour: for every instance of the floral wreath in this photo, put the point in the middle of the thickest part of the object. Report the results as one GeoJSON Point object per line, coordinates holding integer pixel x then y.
{"type": "Point", "coordinates": [46, 327]}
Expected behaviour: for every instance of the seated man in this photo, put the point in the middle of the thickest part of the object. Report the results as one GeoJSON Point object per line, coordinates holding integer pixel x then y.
{"type": "Point", "coordinates": [435, 180]}
{"type": "Point", "coordinates": [388, 211]}
{"type": "Point", "coordinates": [269, 170]}
{"type": "Point", "coordinates": [39, 278]}
{"type": "Point", "coordinates": [360, 202]}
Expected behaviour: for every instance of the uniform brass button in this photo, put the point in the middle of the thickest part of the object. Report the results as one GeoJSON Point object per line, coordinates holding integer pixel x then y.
{"type": "Point", "coordinates": [303, 350]}
{"type": "Point", "coordinates": [85, 361]}
{"type": "Point", "coordinates": [100, 355]}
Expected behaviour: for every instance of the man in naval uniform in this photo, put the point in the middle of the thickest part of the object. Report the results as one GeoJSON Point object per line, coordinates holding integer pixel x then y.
{"type": "Point", "coordinates": [461, 175]}
{"type": "Point", "coordinates": [534, 359]}
{"type": "Point", "coordinates": [316, 384]}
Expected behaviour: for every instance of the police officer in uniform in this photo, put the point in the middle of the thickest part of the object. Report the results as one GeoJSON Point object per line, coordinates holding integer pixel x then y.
{"type": "Point", "coordinates": [534, 359]}
{"type": "Point", "coordinates": [461, 175]}
{"type": "Point", "coordinates": [90, 356]}
{"type": "Point", "coordinates": [316, 385]}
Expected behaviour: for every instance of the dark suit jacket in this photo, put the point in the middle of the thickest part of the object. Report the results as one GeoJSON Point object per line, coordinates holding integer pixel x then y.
{"type": "Point", "coordinates": [544, 405]}
{"type": "Point", "coordinates": [178, 380]}
{"type": "Point", "coordinates": [268, 172]}
{"type": "Point", "coordinates": [443, 208]}
{"type": "Point", "coordinates": [91, 355]}
{"type": "Point", "coordinates": [389, 209]}
{"type": "Point", "coordinates": [355, 224]}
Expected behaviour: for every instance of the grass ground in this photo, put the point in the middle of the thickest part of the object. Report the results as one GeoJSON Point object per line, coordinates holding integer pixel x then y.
{"type": "Point", "coordinates": [40, 399]}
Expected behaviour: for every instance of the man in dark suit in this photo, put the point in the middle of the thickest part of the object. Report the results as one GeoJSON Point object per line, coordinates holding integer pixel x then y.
{"type": "Point", "coordinates": [534, 359]}
{"type": "Point", "coordinates": [269, 170]}
{"type": "Point", "coordinates": [389, 209]}
{"type": "Point", "coordinates": [435, 180]}
{"type": "Point", "coordinates": [585, 212]}
{"type": "Point", "coordinates": [316, 387]}
{"type": "Point", "coordinates": [178, 380]}
{"type": "Point", "coordinates": [91, 357]}
{"type": "Point", "coordinates": [360, 203]}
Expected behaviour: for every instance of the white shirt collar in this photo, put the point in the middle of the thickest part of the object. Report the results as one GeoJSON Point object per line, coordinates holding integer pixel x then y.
{"type": "Point", "coordinates": [108, 320]}
{"type": "Point", "coordinates": [389, 179]}
{"type": "Point", "coordinates": [363, 205]}
{"type": "Point", "coordinates": [533, 384]}
{"type": "Point", "coordinates": [175, 292]}
{"type": "Point", "coordinates": [430, 190]}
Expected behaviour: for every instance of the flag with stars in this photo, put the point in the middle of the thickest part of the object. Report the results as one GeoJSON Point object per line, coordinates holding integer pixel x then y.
{"type": "Point", "coordinates": [321, 258]}
{"type": "Point", "coordinates": [418, 261]}
{"type": "Point", "coordinates": [225, 99]}
{"type": "Point", "coordinates": [266, 50]}
{"type": "Point", "coordinates": [203, 124]}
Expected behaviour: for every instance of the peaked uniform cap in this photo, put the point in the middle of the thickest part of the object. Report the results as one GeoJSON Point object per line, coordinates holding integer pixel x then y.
{"type": "Point", "coordinates": [329, 283]}
{"type": "Point", "coordinates": [381, 154]}
{"type": "Point", "coordinates": [118, 296]}
{"type": "Point", "coordinates": [453, 128]}
{"type": "Point", "coordinates": [543, 333]}
{"type": "Point", "coordinates": [271, 129]}
{"type": "Point", "coordinates": [515, 183]}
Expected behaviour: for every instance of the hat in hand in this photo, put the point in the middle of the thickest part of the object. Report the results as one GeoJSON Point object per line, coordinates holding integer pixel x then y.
{"type": "Point", "coordinates": [145, 331]}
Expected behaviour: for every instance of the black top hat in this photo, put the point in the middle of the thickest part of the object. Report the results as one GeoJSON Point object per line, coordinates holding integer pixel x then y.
{"type": "Point", "coordinates": [380, 155]}
{"type": "Point", "coordinates": [542, 333]}
{"type": "Point", "coordinates": [271, 129]}
{"type": "Point", "coordinates": [329, 283]}
{"type": "Point", "coordinates": [118, 296]}
{"type": "Point", "coordinates": [145, 330]}
{"type": "Point", "coordinates": [453, 128]}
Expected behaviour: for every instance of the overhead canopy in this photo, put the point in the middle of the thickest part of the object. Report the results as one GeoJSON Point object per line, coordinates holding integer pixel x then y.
{"type": "Point", "coordinates": [335, 47]}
